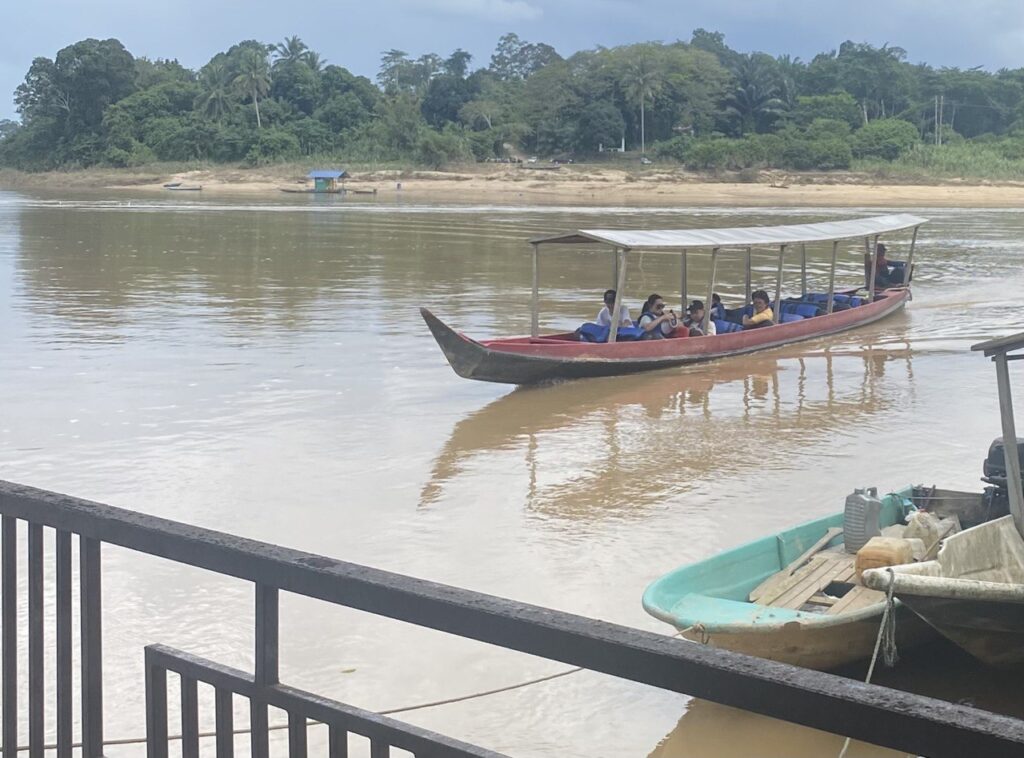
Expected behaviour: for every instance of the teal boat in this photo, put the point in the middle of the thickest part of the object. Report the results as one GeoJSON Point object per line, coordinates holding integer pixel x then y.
{"type": "Point", "coordinates": [794, 596]}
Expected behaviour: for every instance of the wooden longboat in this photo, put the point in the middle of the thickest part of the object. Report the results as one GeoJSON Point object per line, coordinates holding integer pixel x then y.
{"type": "Point", "coordinates": [537, 358]}
{"type": "Point", "coordinates": [528, 360]}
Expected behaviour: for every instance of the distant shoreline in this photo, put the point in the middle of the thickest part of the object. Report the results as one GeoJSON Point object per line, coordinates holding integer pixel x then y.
{"type": "Point", "coordinates": [574, 185]}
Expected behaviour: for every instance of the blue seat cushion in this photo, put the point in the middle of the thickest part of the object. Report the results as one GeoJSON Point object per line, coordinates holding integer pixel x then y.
{"type": "Point", "coordinates": [787, 317]}
{"type": "Point", "coordinates": [726, 327]}
{"type": "Point", "coordinates": [591, 332]}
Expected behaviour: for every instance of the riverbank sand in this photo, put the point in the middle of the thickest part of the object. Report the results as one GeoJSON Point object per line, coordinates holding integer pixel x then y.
{"type": "Point", "coordinates": [542, 183]}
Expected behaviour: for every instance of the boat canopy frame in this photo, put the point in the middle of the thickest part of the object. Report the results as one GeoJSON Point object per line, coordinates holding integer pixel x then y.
{"type": "Point", "coordinates": [1002, 350]}
{"type": "Point", "coordinates": [684, 241]}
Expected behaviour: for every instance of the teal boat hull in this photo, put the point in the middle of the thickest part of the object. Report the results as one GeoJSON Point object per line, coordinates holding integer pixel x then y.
{"type": "Point", "coordinates": [707, 602]}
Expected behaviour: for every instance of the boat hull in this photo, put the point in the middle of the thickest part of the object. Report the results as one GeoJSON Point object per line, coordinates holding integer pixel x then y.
{"type": "Point", "coordinates": [525, 360]}
{"type": "Point", "coordinates": [816, 647]}
{"type": "Point", "coordinates": [993, 632]}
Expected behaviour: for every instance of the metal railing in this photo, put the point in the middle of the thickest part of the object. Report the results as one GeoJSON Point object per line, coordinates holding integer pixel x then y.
{"type": "Point", "coordinates": [891, 718]}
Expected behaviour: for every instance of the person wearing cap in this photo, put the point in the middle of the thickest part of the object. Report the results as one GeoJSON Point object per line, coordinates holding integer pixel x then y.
{"type": "Point", "coordinates": [695, 319]}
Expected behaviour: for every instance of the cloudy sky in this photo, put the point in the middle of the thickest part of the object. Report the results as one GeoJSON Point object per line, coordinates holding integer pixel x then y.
{"type": "Point", "coordinates": [988, 33]}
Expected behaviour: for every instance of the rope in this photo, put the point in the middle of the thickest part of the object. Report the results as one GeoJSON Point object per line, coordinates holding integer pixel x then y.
{"type": "Point", "coordinates": [388, 712]}
{"type": "Point", "coordinates": [885, 641]}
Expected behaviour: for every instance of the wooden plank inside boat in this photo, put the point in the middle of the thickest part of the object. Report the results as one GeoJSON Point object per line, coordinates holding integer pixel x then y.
{"type": "Point", "coordinates": [857, 598]}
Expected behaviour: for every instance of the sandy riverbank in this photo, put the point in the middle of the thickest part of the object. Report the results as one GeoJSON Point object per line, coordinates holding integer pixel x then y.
{"type": "Point", "coordinates": [581, 184]}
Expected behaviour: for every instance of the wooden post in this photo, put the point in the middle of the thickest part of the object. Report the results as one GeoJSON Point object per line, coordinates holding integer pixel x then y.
{"type": "Point", "coordinates": [748, 280]}
{"type": "Point", "coordinates": [832, 277]}
{"type": "Point", "coordinates": [803, 269]}
{"type": "Point", "coordinates": [711, 290]}
{"type": "Point", "coordinates": [778, 286]}
{"type": "Point", "coordinates": [910, 258]}
{"type": "Point", "coordinates": [682, 287]}
{"type": "Point", "coordinates": [1013, 482]}
{"type": "Point", "coordinates": [619, 286]}
{"type": "Point", "coordinates": [535, 302]}
{"type": "Point", "coordinates": [615, 266]}
{"type": "Point", "coordinates": [874, 270]}
{"type": "Point", "coordinates": [867, 262]}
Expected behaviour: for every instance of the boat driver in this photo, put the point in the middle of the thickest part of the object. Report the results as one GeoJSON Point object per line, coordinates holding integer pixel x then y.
{"type": "Point", "coordinates": [762, 313]}
{"type": "Point", "coordinates": [604, 316]}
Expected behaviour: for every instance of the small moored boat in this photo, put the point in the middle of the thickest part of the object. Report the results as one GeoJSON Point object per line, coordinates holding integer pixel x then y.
{"type": "Point", "coordinates": [571, 355]}
{"type": "Point", "coordinates": [973, 591]}
{"type": "Point", "coordinates": [796, 596]}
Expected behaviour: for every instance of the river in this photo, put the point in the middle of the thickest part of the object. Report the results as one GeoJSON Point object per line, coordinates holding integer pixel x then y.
{"type": "Point", "coordinates": [260, 367]}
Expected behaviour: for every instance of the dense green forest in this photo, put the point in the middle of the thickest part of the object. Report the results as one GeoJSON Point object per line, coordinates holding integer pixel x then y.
{"type": "Point", "coordinates": [699, 104]}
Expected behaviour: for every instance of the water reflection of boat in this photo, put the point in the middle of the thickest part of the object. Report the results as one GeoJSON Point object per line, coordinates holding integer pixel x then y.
{"type": "Point", "coordinates": [593, 351]}
{"type": "Point", "coordinates": [709, 729]}
{"type": "Point", "coordinates": [607, 429]}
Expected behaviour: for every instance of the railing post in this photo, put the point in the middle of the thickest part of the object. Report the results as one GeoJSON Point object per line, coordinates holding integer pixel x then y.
{"type": "Point", "coordinates": [189, 718]}
{"type": "Point", "coordinates": [65, 735]}
{"type": "Point", "coordinates": [156, 710]}
{"type": "Point", "coordinates": [92, 647]}
{"type": "Point", "coordinates": [267, 672]}
{"type": "Point", "coordinates": [36, 667]}
{"type": "Point", "coordinates": [9, 603]}
{"type": "Point", "coordinates": [225, 716]}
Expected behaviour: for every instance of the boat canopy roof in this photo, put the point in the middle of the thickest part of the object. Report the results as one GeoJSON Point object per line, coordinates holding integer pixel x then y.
{"type": "Point", "coordinates": [744, 236]}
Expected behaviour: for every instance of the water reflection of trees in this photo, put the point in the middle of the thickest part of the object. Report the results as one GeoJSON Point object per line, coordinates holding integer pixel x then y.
{"type": "Point", "coordinates": [96, 263]}
{"type": "Point", "coordinates": [611, 447]}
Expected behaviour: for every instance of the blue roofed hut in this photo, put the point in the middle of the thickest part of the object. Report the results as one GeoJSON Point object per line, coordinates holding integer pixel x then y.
{"type": "Point", "coordinates": [326, 180]}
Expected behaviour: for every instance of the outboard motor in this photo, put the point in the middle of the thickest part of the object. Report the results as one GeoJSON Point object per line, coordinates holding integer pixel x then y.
{"type": "Point", "coordinates": [860, 518]}
{"type": "Point", "coordinates": [997, 497]}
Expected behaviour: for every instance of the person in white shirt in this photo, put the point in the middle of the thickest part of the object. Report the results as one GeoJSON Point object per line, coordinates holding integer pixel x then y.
{"type": "Point", "coordinates": [657, 322]}
{"type": "Point", "coordinates": [694, 320]}
{"type": "Point", "coordinates": [604, 316]}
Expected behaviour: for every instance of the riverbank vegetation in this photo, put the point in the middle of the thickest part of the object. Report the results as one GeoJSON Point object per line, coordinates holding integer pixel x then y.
{"type": "Point", "coordinates": [699, 105]}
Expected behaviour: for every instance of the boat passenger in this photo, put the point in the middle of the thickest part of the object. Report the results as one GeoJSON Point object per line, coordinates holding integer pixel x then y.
{"type": "Point", "coordinates": [604, 316]}
{"type": "Point", "coordinates": [762, 313]}
{"type": "Point", "coordinates": [695, 318]}
{"type": "Point", "coordinates": [657, 322]}
{"type": "Point", "coordinates": [717, 309]}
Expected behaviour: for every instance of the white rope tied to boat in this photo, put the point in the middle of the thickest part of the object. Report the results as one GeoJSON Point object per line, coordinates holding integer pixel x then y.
{"type": "Point", "coordinates": [885, 641]}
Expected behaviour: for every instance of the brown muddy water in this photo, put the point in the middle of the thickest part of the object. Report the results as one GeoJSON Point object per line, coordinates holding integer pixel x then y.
{"type": "Point", "coordinates": [260, 368]}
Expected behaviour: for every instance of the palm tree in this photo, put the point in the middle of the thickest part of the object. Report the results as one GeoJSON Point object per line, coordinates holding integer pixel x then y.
{"type": "Point", "coordinates": [314, 61]}
{"type": "Point", "coordinates": [292, 50]}
{"type": "Point", "coordinates": [215, 94]}
{"type": "Point", "coordinates": [755, 96]}
{"type": "Point", "coordinates": [642, 80]}
{"type": "Point", "coordinates": [253, 78]}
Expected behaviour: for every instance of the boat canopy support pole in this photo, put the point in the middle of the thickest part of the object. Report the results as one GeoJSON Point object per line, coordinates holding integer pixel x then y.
{"type": "Point", "coordinates": [748, 280]}
{"type": "Point", "coordinates": [682, 285]}
{"type": "Point", "coordinates": [874, 268]}
{"type": "Point", "coordinates": [910, 258]}
{"type": "Point", "coordinates": [832, 277]}
{"type": "Point", "coordinates": [620, 284]}
{"type": "Point", "coordinates": [1010, 454]}
{"type": "Point", "coordinates": [778, 287]}
{"type": "Point", "coordinates": [711, 290]}
{"type": "Point", "coordinates": [803, 269]}
{"type": "Point", "coordinates": [615, 267]}
{"type": "Point", "coordinates": [535, 301]}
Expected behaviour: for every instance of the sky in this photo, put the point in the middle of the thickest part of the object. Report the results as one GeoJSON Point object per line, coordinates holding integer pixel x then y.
{"type": "Point", "coordinates": [986, 33]}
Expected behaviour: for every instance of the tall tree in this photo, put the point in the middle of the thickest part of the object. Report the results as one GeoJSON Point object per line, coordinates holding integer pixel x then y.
{"type": "Point", "coordinates": [755, 99]}
{"type": "Point", "coordinates": [253, 78]}
{"type": "Point", "coordinates": [642, 78]}
{"type": "Point", "coordinates": [215, 82]}
{"type": "Point", "coordinates": [291, 50]}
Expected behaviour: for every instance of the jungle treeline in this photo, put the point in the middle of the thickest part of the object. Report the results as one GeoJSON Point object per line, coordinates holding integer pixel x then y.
{"type": "Point", "coordinates": [699, 104]}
